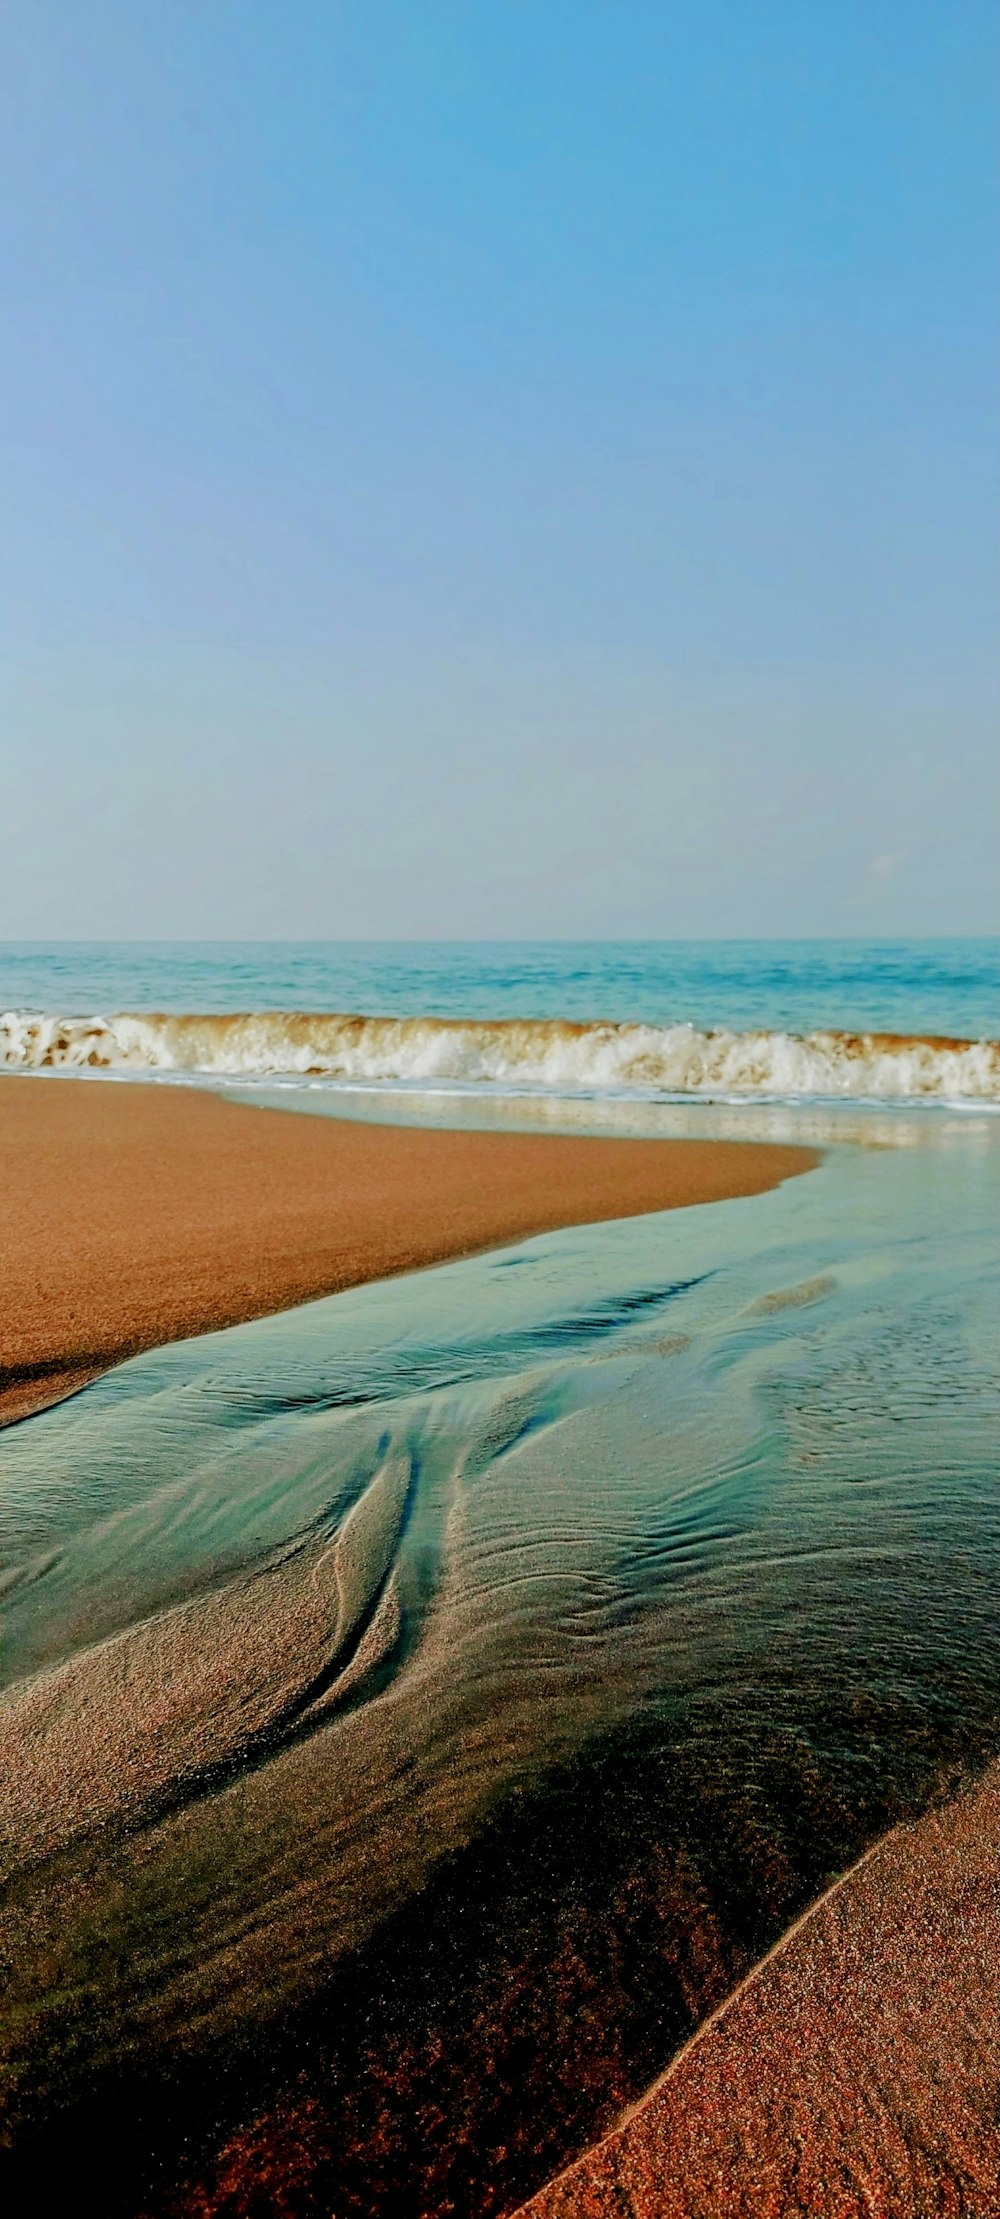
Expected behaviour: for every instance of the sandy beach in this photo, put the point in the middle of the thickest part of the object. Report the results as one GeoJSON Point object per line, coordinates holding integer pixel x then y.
{"type": "Point", "coordinates": [134, 1215]}
{"type": "Point", "coordinates": [853, 2072]}
{"type": "Point", "coordinates": [848, 2069]}
{"type": "Point", "coordinates": [358, 1778]}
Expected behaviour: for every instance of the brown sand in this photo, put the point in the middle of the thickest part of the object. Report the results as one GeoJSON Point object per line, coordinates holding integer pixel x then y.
{"type": "Point", "coordinates": [132, 1215]}
{"type": "Point", "coordinates": [854, 2075]}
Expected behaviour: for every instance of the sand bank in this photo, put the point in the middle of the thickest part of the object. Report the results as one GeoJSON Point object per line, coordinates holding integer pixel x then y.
{"type": "Point", "coordinates": [132, 1215]}
{"type": "Point", "coordinates": [854, 2072]}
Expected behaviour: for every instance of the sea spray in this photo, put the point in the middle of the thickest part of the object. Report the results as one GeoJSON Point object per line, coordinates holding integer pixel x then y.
{"type": "Point", "coordinates": [559, 1056]}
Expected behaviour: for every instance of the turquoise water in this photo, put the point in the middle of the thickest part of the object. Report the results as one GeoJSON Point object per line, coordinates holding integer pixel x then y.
{"type": "Point", "coordinates": [423, 1706]}
{"type": "Point", "coordinates": [949, 987]}
{"type": "Point", "coordinates": [888, 1022]}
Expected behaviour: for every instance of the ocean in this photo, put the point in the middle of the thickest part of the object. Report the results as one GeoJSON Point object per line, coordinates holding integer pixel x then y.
{"type": "Point", "coordinates": [527, 1641]}
{"type": "Point", "coordinates": [727, 1021]}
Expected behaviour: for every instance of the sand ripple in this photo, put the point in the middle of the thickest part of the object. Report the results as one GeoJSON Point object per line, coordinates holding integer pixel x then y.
{"type": "Point", "coordinates": [174, 1704]}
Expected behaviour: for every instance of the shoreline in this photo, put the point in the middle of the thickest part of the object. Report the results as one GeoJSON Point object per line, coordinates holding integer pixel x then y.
{"type": "Point", "coordinates": [134, 1216]}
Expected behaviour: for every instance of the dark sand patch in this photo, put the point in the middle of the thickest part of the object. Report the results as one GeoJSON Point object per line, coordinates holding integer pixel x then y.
{"type": "Point", "coordinates": [855, 2072]}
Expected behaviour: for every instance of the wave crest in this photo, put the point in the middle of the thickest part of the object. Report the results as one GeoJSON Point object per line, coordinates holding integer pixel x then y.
{"type": "Point", "coordinates": [550, 1054]}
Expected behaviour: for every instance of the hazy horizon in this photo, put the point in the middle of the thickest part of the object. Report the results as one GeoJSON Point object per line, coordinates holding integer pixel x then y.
{"type": "Point", "coordinates": [477, 939]}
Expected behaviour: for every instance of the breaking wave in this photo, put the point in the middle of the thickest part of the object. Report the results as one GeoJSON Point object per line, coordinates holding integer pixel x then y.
{"type": "Point", "coordinates": [512, 1054]}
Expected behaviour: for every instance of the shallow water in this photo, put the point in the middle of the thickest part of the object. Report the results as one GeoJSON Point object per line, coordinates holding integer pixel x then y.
{"type": "Point", "coordinates": [419, 1708]}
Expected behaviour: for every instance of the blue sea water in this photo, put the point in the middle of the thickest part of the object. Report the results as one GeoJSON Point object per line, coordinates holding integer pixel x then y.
{"type": "Point", "coordinates": [920, 987]}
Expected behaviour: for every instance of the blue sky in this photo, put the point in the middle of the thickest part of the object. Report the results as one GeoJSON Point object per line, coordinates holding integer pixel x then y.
{"type": "Point", "coordinates": [497, 469]}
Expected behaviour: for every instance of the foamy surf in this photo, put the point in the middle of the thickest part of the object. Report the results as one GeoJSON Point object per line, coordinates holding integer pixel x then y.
{"type": "Point", "coordinates": [553, 1055]}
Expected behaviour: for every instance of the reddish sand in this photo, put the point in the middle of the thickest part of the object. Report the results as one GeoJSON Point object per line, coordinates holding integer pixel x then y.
{"type": "Point", "coordinates": [132, 1215]}
{"type": "Point", "coordinates": [854, 2075]}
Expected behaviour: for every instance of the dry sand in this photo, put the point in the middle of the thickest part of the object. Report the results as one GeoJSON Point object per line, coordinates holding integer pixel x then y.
{"type": "Point", "coordinates": [854, 2075]}
{"type": "Point", "coordinates": [132, 1215]}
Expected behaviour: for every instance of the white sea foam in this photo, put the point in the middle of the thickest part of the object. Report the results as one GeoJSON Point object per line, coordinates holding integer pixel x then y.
{"type": "Point", "coordinates": [553, 1055]}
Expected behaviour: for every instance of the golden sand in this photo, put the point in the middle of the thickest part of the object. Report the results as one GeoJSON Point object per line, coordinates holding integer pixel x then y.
{"type": "Point", "coordinates": [855, 2071]}
{"type": "Point", "coordinates": [132, 1215]}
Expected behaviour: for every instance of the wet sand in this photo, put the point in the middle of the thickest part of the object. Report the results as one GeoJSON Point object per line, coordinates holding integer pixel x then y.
{"type": "Point", "coordinates": [854, 2072]}
{"type": "Point", "coordinates": [315, 1902]}
{"type": "Point", "coordinates": [133, 1215]}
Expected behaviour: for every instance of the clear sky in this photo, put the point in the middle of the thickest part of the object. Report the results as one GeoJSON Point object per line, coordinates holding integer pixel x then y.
{"type": "Point", "coordinates": [497, 467]}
